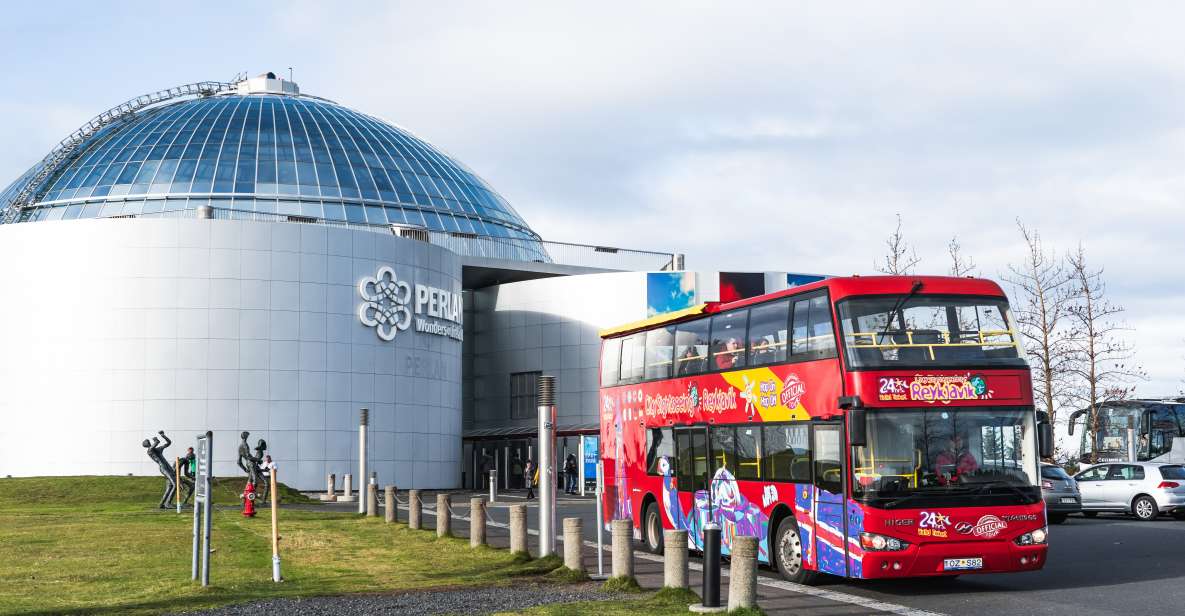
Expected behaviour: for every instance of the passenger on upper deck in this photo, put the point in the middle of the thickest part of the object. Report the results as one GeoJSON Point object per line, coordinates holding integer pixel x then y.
{"type": "Point", "coordinates": [730, 355]}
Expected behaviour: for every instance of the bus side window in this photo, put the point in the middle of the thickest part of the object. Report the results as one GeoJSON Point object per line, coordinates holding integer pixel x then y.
{"type": "Point", "coordinates": [728, 340]}
{"type": "Point", "coordinates": [691, 347]}
{"type": "Point", "coordinates": [723, 449]}
{"type": "Point", "coordinates": [1162, 429]}
{"type": "Point", "coordinates": [610, 362]}
{"type": "Point", "coordinates": [748, 453]}
{"type": "Point", "coordinates": [699, 460]}
{"type": "Point", "coordinates": [767, 333]}
{"type": "Point", "coordinates": [660, 443]}
{"type": "Point", "coordinates": [683, 465]}
{"type": "Point", "coordinates": [828, 465]}
{"type": "Point", "coordinates": [691, 446]}
{"type": "Point", "coordinates": [633, 358]}
{"type": "Point", "coordinates": [658, 352]}
{"type": "Point", "coordinates": [813, 336]}
{"type": "Point", "coordinates": [787, 454]}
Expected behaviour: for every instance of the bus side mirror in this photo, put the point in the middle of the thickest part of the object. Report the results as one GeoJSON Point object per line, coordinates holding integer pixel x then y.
{"type": "Point", "coordinates": [1044, 439]}
{"type": "Point", "coordinates": [857, 427]}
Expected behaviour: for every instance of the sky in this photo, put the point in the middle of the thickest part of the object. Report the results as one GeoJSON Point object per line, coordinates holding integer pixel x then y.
{"type": "Point", "coordinates": [754, 136]}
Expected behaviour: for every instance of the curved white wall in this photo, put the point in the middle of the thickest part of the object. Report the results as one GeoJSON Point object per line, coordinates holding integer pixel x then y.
{"type": "Point", "coordinates": [113, 329]}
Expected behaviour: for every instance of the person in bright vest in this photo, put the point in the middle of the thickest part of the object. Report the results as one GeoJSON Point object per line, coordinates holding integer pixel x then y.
{"type": "Point", "coordinates": [530, 477]}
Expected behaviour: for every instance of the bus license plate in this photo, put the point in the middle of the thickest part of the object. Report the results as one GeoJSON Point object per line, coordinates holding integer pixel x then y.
{"type": "Point", "coordinates": [962, 564]}
{"type": "Point", "coordinates": [1070, 500]}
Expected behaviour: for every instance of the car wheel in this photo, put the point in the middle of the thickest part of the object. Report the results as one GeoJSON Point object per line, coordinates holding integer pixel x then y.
{"type": "Point", "coordinates": [1144, 508]}
{"type": "Point", "coordinates": [788, 551]}
{"type": "Point", "coordinates": [1089, 514]}
{"type": "Point", "coordinates": [652, 529]}
{"type": "Point", "coordinates": [1057, 518]}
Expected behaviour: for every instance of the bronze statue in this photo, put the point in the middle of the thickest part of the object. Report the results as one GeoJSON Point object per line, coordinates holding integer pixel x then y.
{"type": "Point", "coordinates": [156, 453]}
{"type": "Point", "coordinates": [250, 464]}
{"type": "Point", "coordinates": [260, 447]}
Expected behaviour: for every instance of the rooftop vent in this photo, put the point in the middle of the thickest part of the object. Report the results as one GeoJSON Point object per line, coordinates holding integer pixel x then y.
{"type": "Point", "coordinates": [267, 83]}
{"type": "Point", "coordinates": [410, 232]}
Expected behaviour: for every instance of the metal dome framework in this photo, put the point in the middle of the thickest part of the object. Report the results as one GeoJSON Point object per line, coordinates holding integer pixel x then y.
{"type": "Point", "coordinates": [65, 150]}
{"type": "Point", "coordinates": [268, 153]}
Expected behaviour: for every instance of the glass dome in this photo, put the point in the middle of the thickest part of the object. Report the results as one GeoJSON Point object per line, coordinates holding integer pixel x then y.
{"type": "Point", "coordinates": [274, 156]}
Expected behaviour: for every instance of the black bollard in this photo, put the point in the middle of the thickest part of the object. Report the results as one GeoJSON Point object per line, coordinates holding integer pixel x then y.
{"type": "Point", "coordinates": [711, 590]}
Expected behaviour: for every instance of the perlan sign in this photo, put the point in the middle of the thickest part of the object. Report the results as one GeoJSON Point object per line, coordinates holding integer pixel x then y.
{"type": "Point", "coordinates": [387, 306]}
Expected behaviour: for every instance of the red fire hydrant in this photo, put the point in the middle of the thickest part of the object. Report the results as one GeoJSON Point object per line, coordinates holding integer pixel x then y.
{"type": "Point", "coordinates": [248, 497]}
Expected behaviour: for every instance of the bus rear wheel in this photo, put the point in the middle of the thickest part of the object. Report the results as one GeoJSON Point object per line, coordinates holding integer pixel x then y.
{"type": "Point", "coordinates": [788, 551]}
{"type": "Point", "coordinates": [652, 529]}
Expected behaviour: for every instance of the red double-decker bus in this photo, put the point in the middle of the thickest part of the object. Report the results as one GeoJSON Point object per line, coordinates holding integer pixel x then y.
{"type": "Point", "coordinates": [867, 427]}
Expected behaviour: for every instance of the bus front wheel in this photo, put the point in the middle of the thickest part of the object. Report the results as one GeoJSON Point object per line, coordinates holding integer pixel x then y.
{"type": "Point", "coordinates": [788, 552]}
{"type": "Point", "coordinates": [652, 529]}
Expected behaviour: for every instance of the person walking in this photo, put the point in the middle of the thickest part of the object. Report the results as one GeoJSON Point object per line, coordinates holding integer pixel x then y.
{"type": "Point", "coordinates": [570, 474]}
{"type": "Point", "coordinates": [529, 477]}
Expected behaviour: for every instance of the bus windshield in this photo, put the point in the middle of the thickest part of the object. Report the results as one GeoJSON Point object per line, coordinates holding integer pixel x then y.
{"type": "Point", "coordinates": [894, 331]}
{"type": "Point", "coordinates": [1110, 442]}
{"type": "Point", "coordinates": [1155, 426]}
{"type": "Point", "coordinates": [947, 457]}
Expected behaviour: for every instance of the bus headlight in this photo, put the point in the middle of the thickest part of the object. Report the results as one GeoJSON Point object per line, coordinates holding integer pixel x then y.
{"type": "Point", "coordinates": [1036, 537]}
{"type": "Point", "coordinates": [881, 543]}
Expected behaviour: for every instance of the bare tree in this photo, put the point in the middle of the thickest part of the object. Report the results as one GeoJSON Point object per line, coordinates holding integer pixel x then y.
{"type": "Point", "coordinates": [1102, 359]}
{"type": "Point", "coordinates": [901, 257]}
{"type": "Point", "coordinates": [959, 266]}
{"type": "Point", "coordinates": [1043, 294]}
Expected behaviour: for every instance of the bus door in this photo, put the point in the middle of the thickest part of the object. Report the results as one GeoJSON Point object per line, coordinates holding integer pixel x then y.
{"type": "Point", "coordinates": [831, 547]}
{"type": "Point", "coordinates": [691, 479]}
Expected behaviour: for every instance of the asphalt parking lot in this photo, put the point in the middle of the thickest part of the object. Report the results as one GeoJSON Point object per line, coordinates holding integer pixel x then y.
{"type": "Point", "coordinates": [1111, 564]}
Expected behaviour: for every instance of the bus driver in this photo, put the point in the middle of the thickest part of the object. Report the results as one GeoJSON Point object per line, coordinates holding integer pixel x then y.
{"type": "Point", "coordinates": [954, 461]}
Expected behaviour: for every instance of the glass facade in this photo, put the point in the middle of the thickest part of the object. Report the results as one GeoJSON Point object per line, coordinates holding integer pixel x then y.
{"type": "Point", "coordinates": [281, 155]}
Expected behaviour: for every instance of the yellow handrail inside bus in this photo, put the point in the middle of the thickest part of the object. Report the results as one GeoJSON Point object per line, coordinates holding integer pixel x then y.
{"type": "Point", "coordinates": [876, 340]}
{"type": "Point", "coordinates": [870, 470]}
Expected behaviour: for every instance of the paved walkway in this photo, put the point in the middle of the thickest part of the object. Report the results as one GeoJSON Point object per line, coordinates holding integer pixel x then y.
{"type": "Point", "coordinates": [775, 596]}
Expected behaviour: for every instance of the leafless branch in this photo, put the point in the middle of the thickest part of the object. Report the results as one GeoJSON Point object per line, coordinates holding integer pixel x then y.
{"type": "Point", "coordinates": [1102, 358]}
{"type": "Point", "coordinates": [960, 266]}
{"type": "Point", "coordinates": [1043, 293]}
{"type": "Point", "coordinates": [901, 258]}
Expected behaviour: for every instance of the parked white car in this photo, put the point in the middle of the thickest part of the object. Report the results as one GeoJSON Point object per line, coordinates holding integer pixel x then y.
{"type": "Point", "coordinates": [1143, 489]}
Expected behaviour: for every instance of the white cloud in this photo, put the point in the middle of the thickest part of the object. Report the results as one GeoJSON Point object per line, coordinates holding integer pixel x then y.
{"type": "Point", "coordinates": [772, 135]}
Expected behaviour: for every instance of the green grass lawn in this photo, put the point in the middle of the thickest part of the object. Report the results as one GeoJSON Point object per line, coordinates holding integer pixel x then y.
{"type": "Point", "coordinates": [92, 545]}
{"type": "Point", "coordinates": [99, 545]}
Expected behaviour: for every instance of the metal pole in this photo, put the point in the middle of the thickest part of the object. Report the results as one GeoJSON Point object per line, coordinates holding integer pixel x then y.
{"type": "Point", "coordinates": [197, 532]}
{"type": "Point", "coordinates": [711, 585]}
{"type": "Point", "coordinates": [1131, 445]}
{"type": "Point", "coordinates": [600, 520]}
{"type": "Point", "coordinates": [177, 476]}
{"type": "Point", "coordinates": [580, 464]}
{"type": "Point", "coordinates": [363, 419]}
{"type": "Point", "coordinates": [275, 529]}
{"type": "Point", "coordinates": [493, 484]}
{"type": "Point", "coordinates": [547, 476]}
{"type": "Point", "coordinates": [206, 523]}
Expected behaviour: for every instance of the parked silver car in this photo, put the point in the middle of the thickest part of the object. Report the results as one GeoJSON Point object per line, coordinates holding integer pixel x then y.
{"type": "Point", "coordinates": [1060, 493]}
{"type": "Point", "coordinates": [1144, 489]}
